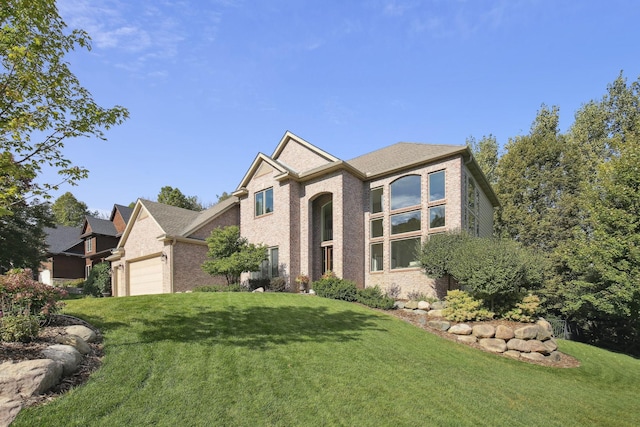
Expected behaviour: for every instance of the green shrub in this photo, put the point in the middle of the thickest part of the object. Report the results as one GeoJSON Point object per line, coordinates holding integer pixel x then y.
{"type": "Point", "coordinates": [234, 287]}
{"type": "Point", "coordinates": [524, 311]}
{"type": "Point", "coordinates": [330, 286]}
{"type": "Point", "coordinates": [278, 284]}
{"type": "Point", "coordinates": [21, 295]}
{"type": "Point", "coordinates": [19, 328]}
{"type": "Point", "coordinates": [374, 298]}
{"type": "Point", "coordinates": [99, 280]}
{"type": "Point", "coordinates": [462, 307]}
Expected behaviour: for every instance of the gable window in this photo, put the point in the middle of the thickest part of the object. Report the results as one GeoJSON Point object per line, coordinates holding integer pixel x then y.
{"type": "Point", "coordinates": [264, 202]}
{"type": "Point", "coordinates": [404, 253]}
{"type": "Point", "coordinates": [376, 200]}
{"type": "Point", "coordinates": [436, 186]}
{"type": "Point", "coordinates": [327, 222]}
{"type": "Point", "coordinates": [405, 192]}
{"type": "Point", "coordinates": [437, 216]}
{"type": "Point", "coordinates": [376, 256]}
{"type": "Point", "coordinates": [405, 222]}
{"type": "Point", "coordinates": [88, 245]}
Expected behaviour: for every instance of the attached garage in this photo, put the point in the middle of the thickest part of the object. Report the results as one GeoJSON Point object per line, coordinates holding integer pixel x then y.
{"type": "Point", "coordinates": [145, 277]}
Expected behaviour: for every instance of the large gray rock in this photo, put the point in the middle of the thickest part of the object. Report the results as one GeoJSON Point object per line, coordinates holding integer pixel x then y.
{"type": "Point", "coordinates": [467, 339]}
{"type": "Point", "coordinates": [438, 305]}
{"type": "Point", "coordinates": [518, 345]}
{"type": "Point", "coordinates": [68, 356]}
{"type": "Point", "coordinates": [504, 332]}
{"type": "Point", "coordinates": [441, 325]}
{"type": "Point", "coordinates": [529, 332]}
{"type": "Point", "coordinates": [424, 305]}
{"type": "Point", "coordinates": [435, 313]}
{"type": "Point", "coordinates": [545, 331]}
{"type": "Point", "coordinates": [398, 304]}
{"type": "Point", "coordinates": [9, 408]}
{"type": "Point", "coordinates": [460, 329]}
{"type": "Point", "coordinates": [29, 377]}
{"type": "Point", "coordinates": [411, 305]}
{"type": "Point", "coordinates": [83, 332]}
{"type": "Point", "coordinates": [551, 345]}
{"type": "Point", "coordinates": [555, 356]}
{"type": "Point", "coordinates": [533, 356]}
{"type": "Point", "coordinates": [74, 341]}
{"type": "Point", "coordinates": [493, 344]}
{"type": "Point", "coordinates": [484, 330]}
{"type": "Point", "coordinates": [418, 311]}
{"type": "Point", "coordinates": [512, 353]}
{"type": "Point", "coordinates": [538, 347]}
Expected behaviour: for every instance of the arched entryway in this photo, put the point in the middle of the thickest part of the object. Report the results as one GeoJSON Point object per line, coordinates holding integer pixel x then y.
{"type": "Point", "coordinates": [321, 250]}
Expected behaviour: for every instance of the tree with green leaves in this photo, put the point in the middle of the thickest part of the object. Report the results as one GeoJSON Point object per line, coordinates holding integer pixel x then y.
{"type": "Point", "coordinates": [43, 103]}
{"type": "Point", "coordinates": [230, 254]}
{"type": "Point", "coordinates": [67, 210]}
{"type": "Point", "coordinates": [22, 235]}
{"type": "Point", "coordinates": [538, 185]}
{"type": "Point", "coordinates": [174, 197]}
{"type": "Point", "coordinates": [485, 152]}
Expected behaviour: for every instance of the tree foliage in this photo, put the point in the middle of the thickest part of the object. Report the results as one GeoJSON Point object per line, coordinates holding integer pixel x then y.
{"type": "Point", "coordinates": [67, 210]}
{"type": "Point", "coordinates": [22, 236]}
{"type": "Point", "coordinates": [230, 254]}
{"type": "Point", "coordinates": [485, 152]}
{"type": "Point", "coordinates": [42, 103]}
{"type": "Point", "coordinates": [174, 197]}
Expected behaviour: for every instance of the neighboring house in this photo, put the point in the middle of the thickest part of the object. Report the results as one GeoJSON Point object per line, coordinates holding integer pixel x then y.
{"type": "Point", "coordinates": [65, 255]}
{"type": "Point", "coordinates": [162, 248]}
{"type": "Point", "coordinates": [100, 236]}
{"type": "Point", "coordinates": [363, 219]}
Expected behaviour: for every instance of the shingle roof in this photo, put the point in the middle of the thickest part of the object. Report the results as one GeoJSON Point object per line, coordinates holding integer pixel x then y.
{"type": "Point", "coordinates": [208, 214]}
{"type": "Point", "coordinates": [101, 226]}
{"type": "Point", "coordinates": [125, 211]}
{"type": "Point", "coordinates": [62, 238]}
{"type": "Point", "coordinates": [400, 156]}
{"type": "Point", "coordinates": [172, 220]}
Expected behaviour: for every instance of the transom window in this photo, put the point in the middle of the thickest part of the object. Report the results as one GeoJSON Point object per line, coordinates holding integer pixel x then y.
{"type": "Point", "coordinates": [436, 186]}
{"type": "Point", "coordinates": [405, 192]}
{"type": "Point", "coordinates": [405, 222]}
{"type": "Point", "coordinates": [264, 202]}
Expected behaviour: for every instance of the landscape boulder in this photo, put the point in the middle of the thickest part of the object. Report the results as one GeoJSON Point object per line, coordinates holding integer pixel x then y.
{"type": "Point", "coordinates": [83, 332]}
{"type": "Point", "coordinates": [424, 305]}
{"type": "Point", "coordinates": [441, 325]}
{"type": "Point", "coordinates": [493, 344]}
{"type": "Point", "coordinates": [529, 332]}
{"type": "Point", "coordinates": [484, 330]}
{"type": "Point", "coordinates": [461, 329]}
{"type": "Point", "coordinates": [74, 341]}
{"type": "Point", "coordinates": [504, 332]}
{"type": "Point", "coordinates": [9, 409]}
{"type": "Point", "coordinates": [67, 355]}
{"type": "Point", "coordinates": [29, 377]}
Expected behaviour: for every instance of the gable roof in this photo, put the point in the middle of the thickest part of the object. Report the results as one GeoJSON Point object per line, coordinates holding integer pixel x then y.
{"type": "Point", "coordinates": [401, 156]}
{"type": "Point", "coordinates": [125, 212]}
{"type": "Point", "coordinates": [62, 238]}
{"type": "Point", "coordinates": [288, 137]}
{"type": "Point", "coordinates": [100, 226]}
{"type": "Point", "coordinates": [171, 219]}
{"type": "Point", "coordinates": [209, 214]}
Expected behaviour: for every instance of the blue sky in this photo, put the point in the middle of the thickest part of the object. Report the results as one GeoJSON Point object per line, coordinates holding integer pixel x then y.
{"type": "Point", "coordinates": [209, 84]}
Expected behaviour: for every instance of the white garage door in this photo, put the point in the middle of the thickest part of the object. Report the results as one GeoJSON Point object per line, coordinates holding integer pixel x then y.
{"type": "Point", "coordinates": [145, 277]}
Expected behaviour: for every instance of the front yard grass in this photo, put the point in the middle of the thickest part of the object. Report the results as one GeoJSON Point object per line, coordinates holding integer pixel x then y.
{"type": "Point", "coordinates": [242, 359]}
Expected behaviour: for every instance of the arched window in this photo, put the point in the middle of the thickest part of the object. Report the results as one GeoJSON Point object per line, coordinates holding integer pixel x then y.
{"type": "Point", "coordinates": [405, 192]}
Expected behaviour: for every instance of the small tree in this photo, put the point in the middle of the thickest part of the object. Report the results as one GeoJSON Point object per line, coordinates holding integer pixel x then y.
{"type": "Point", "coordinates": [174, 197]}
{"type": "Point", "coordinates": [99, 280]}
{"type": "Point", "coordinates": [437, 254]}
{"type": "Point", "coordinates": [230, 254]}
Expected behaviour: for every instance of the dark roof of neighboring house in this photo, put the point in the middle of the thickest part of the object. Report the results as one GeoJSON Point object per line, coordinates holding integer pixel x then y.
{"type": "Point", "coordinates": [402, 155]}
{"type": "Point", "coordinates": [62, 238]}
{"type": "Point", "coordinates": [101, 226]}
{"type": "Point", "coordinates": [125, 211]}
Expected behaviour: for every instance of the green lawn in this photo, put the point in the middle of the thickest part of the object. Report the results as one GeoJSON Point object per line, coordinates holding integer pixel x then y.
{"type": "Point", "coordinates": [243, 359]}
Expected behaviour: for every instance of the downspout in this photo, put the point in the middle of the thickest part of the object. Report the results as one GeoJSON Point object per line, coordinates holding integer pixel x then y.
{"type": "Point", "coordinates": [171, 264]}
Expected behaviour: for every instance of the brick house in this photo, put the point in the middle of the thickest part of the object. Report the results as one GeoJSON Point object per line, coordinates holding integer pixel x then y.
{"type": "Point", "coordinates": [364, 218]}
{"type": "Point", "coordinates": [162, 248]}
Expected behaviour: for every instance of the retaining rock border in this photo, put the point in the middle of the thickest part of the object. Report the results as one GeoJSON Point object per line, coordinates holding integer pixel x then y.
{"type": "Point", "coordinates": [20, 381]}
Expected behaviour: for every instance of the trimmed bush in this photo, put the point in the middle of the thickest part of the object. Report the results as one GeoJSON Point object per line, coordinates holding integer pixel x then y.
{"type": "Point", "coordinates": [330, 286]}
{"type": "Point", "coordinates": [524, 311]}
{"type": "Point", "coordinates": [462, 307]}
{"type": "Point", "coordinates": [278, 284]}
{"type": "Point", "coordinates": [21, 295]}
{"type": "Point", "coordinates": [19, 328]}
{"type": "Point", "coordinates": [374, 298]}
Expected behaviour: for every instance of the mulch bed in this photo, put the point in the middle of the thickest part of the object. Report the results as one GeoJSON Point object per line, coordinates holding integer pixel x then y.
{"type": "Point", "coordinates": [18, 352]}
